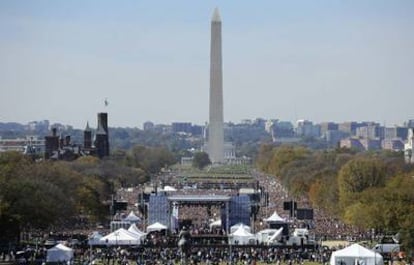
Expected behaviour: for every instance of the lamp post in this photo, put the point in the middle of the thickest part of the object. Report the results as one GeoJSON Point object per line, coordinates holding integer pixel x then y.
{"type": "Point", "coordinates": [230, 250]}
{"type": "Point", "coordinates": [90, 253]}
{"type": "Point", "coordinates": [116, 238]}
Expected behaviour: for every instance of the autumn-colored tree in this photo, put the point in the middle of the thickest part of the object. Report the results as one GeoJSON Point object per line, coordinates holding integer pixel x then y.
{"type": "Point", "coordinates": [284, 155]}
{"type": "Point", "coordinates": [366, 211]}
{"type": "Point", "coordinates": [150, 159]}
{"type": "Point", "coordinates": [37, 195]}
{"type": "Point", "coordinates": [387, 209]}
{"type": "Point", "coordinates": [323, 193]}
{"type": "Point", "coordinates": [264, 156]}
{"type": "Point", "coordinates": [357, 175]}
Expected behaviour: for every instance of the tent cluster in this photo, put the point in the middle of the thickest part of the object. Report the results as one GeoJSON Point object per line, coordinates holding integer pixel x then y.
{"type": "Point", "coordinates": [132, 236]}
{"type": "Point", "coordinates": [266, 236]}
{"type": "Point", "coordinates": [241, 235]}
{"type": "Point", "coordinates": [122, 236]}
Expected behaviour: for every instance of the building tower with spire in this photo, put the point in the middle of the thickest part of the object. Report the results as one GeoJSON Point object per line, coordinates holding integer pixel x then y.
{"type": "Point", "coordinates": [102, 136]}
{"type": "Point", "coordinates": [215, 140]}
{"type": "Point", "coordinates": [87, 137]}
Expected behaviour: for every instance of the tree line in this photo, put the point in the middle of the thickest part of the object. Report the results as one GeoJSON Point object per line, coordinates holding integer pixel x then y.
{"type": "Point", "coordinates": [373, 190]}
{"type": "Point", "coordinates": [39, 195]}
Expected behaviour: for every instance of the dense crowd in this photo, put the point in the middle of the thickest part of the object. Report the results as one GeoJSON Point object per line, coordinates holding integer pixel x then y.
{"type": "Point", "coordinates": [323, 226]}
{"type": "Point", "coordinates": [210, 255]}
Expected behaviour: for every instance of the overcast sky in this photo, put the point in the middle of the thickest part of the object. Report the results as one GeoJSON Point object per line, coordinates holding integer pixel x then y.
{"type": "Point", "coordinates": [319, 60]}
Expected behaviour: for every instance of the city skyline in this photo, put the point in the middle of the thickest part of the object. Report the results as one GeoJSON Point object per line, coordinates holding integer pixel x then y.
{"type": "Point", "coordinates": [320, 61]}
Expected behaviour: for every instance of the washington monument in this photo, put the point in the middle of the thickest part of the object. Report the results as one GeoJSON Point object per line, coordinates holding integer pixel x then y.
{"type": "Point", "coordinates": [215, 143]}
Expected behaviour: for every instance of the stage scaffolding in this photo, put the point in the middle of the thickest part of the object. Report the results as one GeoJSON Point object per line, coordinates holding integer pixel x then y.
{"type": "Point", "coordinates": [234, 209]}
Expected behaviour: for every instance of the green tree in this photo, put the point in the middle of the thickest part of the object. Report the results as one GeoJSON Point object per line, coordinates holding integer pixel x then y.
{"type": "Point", "coordinates": [357, 175]}
{"type": "Point", "coordinates": [388, 209]}
{"type": "Point", "coordinates": [367, 211]}
{"type": "Point", "coordinates": [282, 156]}
{"type": "Point", "coordinates": [150, 159]}
{"type": "Point", "coordinates": [323, 192]}
{"type": "Point", "coordinates": [263, 157]}
{"type": "Point", "coordinates": [37, 195]}
{"type": "Point", "coordinates": [201, 160]}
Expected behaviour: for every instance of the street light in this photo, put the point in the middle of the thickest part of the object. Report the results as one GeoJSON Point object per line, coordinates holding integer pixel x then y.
{"type": "Point", "coordinates": [230, 250]}
{"type": "Point", "coordinates": [116, 238]}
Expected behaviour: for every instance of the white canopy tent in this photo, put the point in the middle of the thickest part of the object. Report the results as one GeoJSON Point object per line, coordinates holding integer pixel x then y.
{"type": "Point", "coordinates": [94, 239]}
{"type": "Point", "coordinates": [59, 253]}
{"type": "Point", "coordinates": [121, 237]}
{"type": "Point", "coordinates": [275, 218]}
{"type": "Point", "coordinates": [356, 255]}
{"type": "Point", "coordinates": [242, 237]}
{"type": "Point", "coordinates": [233, 228]}
{"type": "Point", "coordinates": [132, 217]}
{"type": "Point", "coordinates": [156, 227]}
{"type": "Point", "coordinates": [135, 230]}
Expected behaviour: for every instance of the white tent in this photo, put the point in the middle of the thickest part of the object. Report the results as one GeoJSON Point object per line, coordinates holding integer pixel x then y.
{"type": "Point", "coordinates": [121, 237]}
{"type": "Point", "coordinates": [134, 229]}
{"type": "Point", "coordinates": [275, 218]}
{"type": "Point", "coordinates": [242, 237]}
{"type": "Point", "coordinates": [156, 227]}
{"type": "Point", "coordinates": [233, 228]}
{"type": "Point", "coordinates": [356, 255]}
{"type": "Point", "coordinates": [94, 238]}
{"type": "Point", "coordinates": [131, 217]}
{"type": "Point", "coordinates": [59, 253]}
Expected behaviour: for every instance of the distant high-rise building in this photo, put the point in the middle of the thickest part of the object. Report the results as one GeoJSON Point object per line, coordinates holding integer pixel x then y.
{"type": "Point", "coordinates": [181, 127]}
{"type": "Point", "coordinates": [305, 128]}
{"type": "Point", "coordinates": [215, 141]}
{"type": "Point", "coordinates": [348, 127]}
{"type": "Point", "coordinates": [328, 126]}
{"type": "Point", "coordinates": [370, 131]}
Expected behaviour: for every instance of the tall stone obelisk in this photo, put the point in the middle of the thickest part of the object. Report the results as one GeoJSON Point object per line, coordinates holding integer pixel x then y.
{"type": "Point", "coordinates": [216, 123]}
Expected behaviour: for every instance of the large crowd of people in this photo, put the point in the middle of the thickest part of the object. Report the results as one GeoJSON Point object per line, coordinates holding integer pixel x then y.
{"type": "Point", "coordinates": [322, 226]}
{"type": "Point", "coordinates": [208, 255]}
